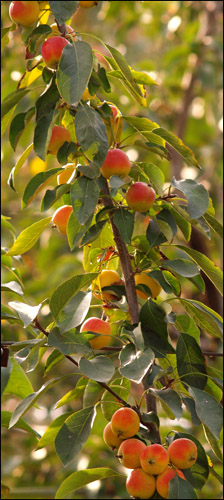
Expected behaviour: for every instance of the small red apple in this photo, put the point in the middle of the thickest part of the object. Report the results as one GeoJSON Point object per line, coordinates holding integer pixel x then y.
{"type": "Point", "coordinates": [116, 163]}
{"type": "Point", "coordinates": [140, 197]}
{"type": "Point", "coordinates": [51, 50]}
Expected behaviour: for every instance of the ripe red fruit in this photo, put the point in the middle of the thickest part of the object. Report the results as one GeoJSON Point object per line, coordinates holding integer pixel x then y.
{"type": "Point", "coordinates": [125, 422]}
{"type": "Point", "coordinates": [140, 197]}
{"type": "Point", "coordinates": [97, 325]}
{"type": "Point", "coordinates": [24, 13]}
{"type": "Point", "coordinates": [51, 50]}
{"type": "Point", "coordinates": [154, 459]}
{"type": "Point", "coordinates": [183, 453]}
{"type": "Point", "coordinates": [163, 479]}
{"type": "Point", "coordinates": [116, 163]}
{"type": "Point", "coordinates": [60, 217]}
{"type": "Point", "coordinates": [129, 453]}
{"type": "Point", "coordinates": [58, 136]}
{"type": "Point", "coordinates": [140, 484]}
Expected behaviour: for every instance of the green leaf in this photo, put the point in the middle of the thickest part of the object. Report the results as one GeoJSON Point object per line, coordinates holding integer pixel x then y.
{"type": "Point", "coordinates": [196, 194]}
{"type": "Point", "coordinates": [45, 107]}
{"type": "Point", "coordinates": [84, 197]}
{"type": "Point", "coordinates": [21, 424]}
{"type": "Point", "coordinates": [5, 223]}
{"type": "Point", "coordinates": [51, 432]}
{"type": "Point", "coordinates": [124, 220]}
{"type": "Point", "coordinates": [181, 221]}
{"type": "Point", "coordinates": [81, 478]}
{"type": "Point", "coordinates": [165, 216]}
{"type": "Point", "coordinates": [92, 135]}
{"type": "Point", "coordinates": [34, 185]}
{"type": "Point", "coordinates": [18, 166]}
{"type": "Point", "coordinates": [74, 394]}
{"type": "Point", "coordinates": [12, 286]}
{"type": "Point", "coordinates": [211, 270]}
{"type": "Point", "coordinates": [100, 368]}
{"type": "Point", "coordinates": [12, 99]}
{"type": "Point", "coordinates": [28, 237]}
{"type": "Point", "coordinates": [18, 383]}
{"type": "Point", "coordinates": [18, 125]}
{"type": "Point", "coordinates": [181, 489]}
{"type": "Point", "coordinates": [52, 195]}
{"type": "Point", "coordinates": [154, 328]}
{"type": "Point", "coordinates": [26, 313]}
{"type": "Point", "coordinates": [190, 361]}
{"type": "Point", "coordinates": [183, 267]}
{"type": "Point", "coordinates": [208, 410]}
{"type": "Point", "coordinates": [126, 72]}
{"type": "Point", "coordinates": [75, 231]}
{"type": "Point", "coordinates": [31, 399]}
{"type": "Point", "coordinates": [177, 144]}
{"type": "Point", "coordinates": [74, 312]}
{"type": "Point", "coordinates": [74, 433]}
{"type": "Point", "coordinates": [5, 374]}
{"type": "Point", "coordinates": [74, 71]}
{"type": "Point", "coordinates": [69, 342]}
{"type": "Point", "coordinates": [93, 232]}
{"type": "Point", "coordinates": [63, 10]}
{"type": "Point", "coordinates": [92, 393]}
{"type": "Point", "coordinates": [213, 443]}
{"type": "Point", "coordinates": [139, 76]}
{"type": "Point", "coordinates": [155, 176]}
{"type": "Point", "coordinates": [53, 359]}
{"type": "Point", "coordinates": [170, 399]}
{"type": "Point", "coordinates": [109, 403]}
{"type": "Point", "coordinates": [214, 223]}
{"type": "Point", "coordinates": [186, 324]}
{"type": "Point", "coordinates": [135, 363]}
{"type": "Point", "coordinates": [204, 317]}
{"type": "Point", "coordinates": [70, 287]}
{"type": "Point", "coordinates": [173, 282]}
{"type": "Point", "coordinates": [154, 234]}
{"type": "Point", "coordinates": [141, 124]}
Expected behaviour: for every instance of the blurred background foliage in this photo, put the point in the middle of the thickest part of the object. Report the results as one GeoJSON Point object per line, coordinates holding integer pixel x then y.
{"type": "Point", "coordinates": [179, 44]}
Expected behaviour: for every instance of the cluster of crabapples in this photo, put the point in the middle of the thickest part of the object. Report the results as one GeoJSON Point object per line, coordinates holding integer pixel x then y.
{"type": "Point", "coordinates": [152, 466]}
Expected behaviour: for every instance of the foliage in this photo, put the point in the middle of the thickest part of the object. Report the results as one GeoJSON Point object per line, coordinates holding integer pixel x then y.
{"type": "Point", "coordinates": [156, 361]}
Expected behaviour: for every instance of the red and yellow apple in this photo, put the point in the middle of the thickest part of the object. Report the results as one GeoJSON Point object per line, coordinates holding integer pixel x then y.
{"type": "Point", "coordinates": [65, 175]}
{"type": "Point", "coordinates": [109, 437]}
{"type": "Point", "coordinates": [24, 13]}
{"type": "Point", "coordinates": [51, 50]}
{"type": "Point", "coordinates": [163, 479]}
{"type": "Point", "coordinates": [144, 279]}
{"type": "Point", "coordinates": [139, 484]}
{"type": "Point", "coordinates": [129, 453]}
{"type": "Point", "coordinates": [140, 197]}
{"type": "Point", "coordinates": [58, 136]}
{"type": "Point", "coordinates": [116, 163]}
{"type": "Point", "coordinates": [125, 422]}
{"type": "Point", "coordinates": [183, 453]}
{"type": "Point", "coordinates": [107, 277]}
{"type": "Point", "coordinates": [97, 325]}
{"type": "Point", "coordinates": [154, 459]}
{"type": "Point", "coordinates": [60, 217]}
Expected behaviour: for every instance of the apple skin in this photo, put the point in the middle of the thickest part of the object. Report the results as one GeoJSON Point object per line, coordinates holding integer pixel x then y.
{"type": "Point", "coordinates": [87, 4]}
{"type": "Point", "coordinates": [183, 453]}
{"type": "Point", "coordinates": [97, 325]}
{"type": "Point", "coordinates": [51, 50]}
{"type": "Point", "coordinates": [65, 175]}
{"type": "Point", "coordinates": [24, 13]}
{"type": "Point", "coordinates": [60, 217]}
{"type": "Point", "coordinates": [116, 163]}
{"type": "Point", "coordinates": [109, 437]}
{"type": "Point", "coordinates": [107, 277]}
{"type": "Point", "coordinates": [125, 423]}
{"type": "Point", "coordinates": [144, 279]}
{"type": "Point", "coordinates": [129, 453]}
{"type": "Point", "coordinates": [139, 484]}
{"type": "Point", "coordinates": [140, 197]}
{"type": "Point", "coordinates": [163, 479]}
{"type": "Point", "coordinates": [58, 136]}
{"type": "Point", "coordinates": [154, 459]}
